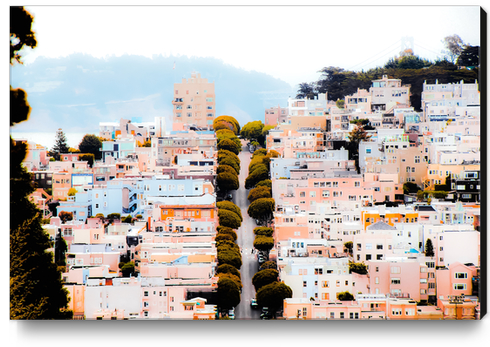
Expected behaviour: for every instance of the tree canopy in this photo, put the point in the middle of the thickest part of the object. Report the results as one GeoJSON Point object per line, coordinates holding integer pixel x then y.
{"type": "Point", "coordinates": [227, 181]}
{"type": "Point", "coordinates": [262, 209]}
{"type": "Point", "coordinates": [259, 192]}
{"type": "Point", "coordinates": [227, 268]}
{"type": "Point", "coordinates": [264, 277]}
{"type": "Point", "coordinates": [259, 173]}
{"type": "Point", "coordinates": [263, 243]}
{"type": "Point", "coordinates": [229, 145]}
{"type": "Point", "coordinates": [252, 130]}
{"type": "Point", "coordinates": [228, 293]}
{"type": "Point", "coordinates": [226, 122]}
{"type": "Point", "coordinates": [264, 231]}
{"type": "Point", "coordinates": [91, 144]}
{"type": "Point", "coordinates": [345, 296]}
{"type": "Point", "coordinates": [273, 295]}
{"type": "Point", "coordinates": [228, 205]}
{"type": "Point", "coordinates": [229, 219]}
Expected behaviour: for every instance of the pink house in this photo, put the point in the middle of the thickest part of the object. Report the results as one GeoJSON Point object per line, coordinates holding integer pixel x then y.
{"type": "Point", "coordinates": [456, 279]}
{"type": "Point", "coordinates": [399, 277]}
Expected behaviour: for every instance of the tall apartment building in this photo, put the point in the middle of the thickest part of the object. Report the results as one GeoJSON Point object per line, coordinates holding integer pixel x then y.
{"type": "Point", "coordinates": [194, 103]}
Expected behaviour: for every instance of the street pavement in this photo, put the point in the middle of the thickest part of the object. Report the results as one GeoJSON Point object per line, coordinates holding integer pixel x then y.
{"type": "Point", "coordinates": [245, 239]}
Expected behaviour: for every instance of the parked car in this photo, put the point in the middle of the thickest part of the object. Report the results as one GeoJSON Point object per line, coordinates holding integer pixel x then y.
{"type": "Point", "coordinates": [265, 313]}
{"type": "Point", "coordinates": [229, 197]}
{"type": "Point", "coordinates": [231, 313]}
{"type": "Point", "coordinates": [253, 303]}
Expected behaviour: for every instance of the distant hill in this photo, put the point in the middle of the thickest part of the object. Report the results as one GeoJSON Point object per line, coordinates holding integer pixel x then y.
{"type": "Point", "coordinates": [77, 92]}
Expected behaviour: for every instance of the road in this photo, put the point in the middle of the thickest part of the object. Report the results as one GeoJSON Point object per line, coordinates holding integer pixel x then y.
{"type": "Point", "coordinates": [245, 239]}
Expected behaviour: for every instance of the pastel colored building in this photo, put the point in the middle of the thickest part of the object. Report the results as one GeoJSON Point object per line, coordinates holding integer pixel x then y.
{"type": "Point", "coordinates": [194, 103]}
{"type": "Point", "coordinates": [276, 115]}
{"type": "Point", "coordinates": [387, 92]}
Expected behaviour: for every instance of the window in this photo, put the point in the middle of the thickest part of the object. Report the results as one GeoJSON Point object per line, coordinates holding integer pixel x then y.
{"type": "Point", "coordinates": [395, 270]}
{"type": "Point", "coordinates": [460, 275]}
{"type": "Point", "coordinates": [319, 271]}
{"type": "Point", "coordinates": [332, 315]}
{"type": "Point", "coordinates": [304, 284]}
{"type": "Point", "coordinates": [325, 284]}
{"type": "Point", "coordinates": [395, 281]}
{"type": "Point", "coordinates": [341, 315]}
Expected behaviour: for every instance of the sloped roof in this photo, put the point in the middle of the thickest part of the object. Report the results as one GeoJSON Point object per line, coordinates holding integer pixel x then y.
{"type": "Point", "coordinates": [380, 226]}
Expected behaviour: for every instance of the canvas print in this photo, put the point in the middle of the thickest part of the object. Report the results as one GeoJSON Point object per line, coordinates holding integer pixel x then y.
{"type": "Point", "coordinates": [245, 163]}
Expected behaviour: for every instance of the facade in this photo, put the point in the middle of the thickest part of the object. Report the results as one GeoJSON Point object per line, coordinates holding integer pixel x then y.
{"type": "Point", "coordinates": [194, 103]}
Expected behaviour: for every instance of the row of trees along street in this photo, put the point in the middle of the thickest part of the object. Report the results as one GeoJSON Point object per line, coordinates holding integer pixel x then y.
{"type": "Point", "coordinates": [229, 215]}
{"type": "Point", "coordinates": [270, 293]}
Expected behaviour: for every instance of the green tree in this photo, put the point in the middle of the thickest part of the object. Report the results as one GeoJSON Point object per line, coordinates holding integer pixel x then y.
{"type": "Point", "coordinates": [228, 294]}
{"type": "Point", "coordinates": [349, 246]}
{"type": "Point", "coordinates": [226, 181]}
{"type": "Point", "coordinates": [226, 230]}
{"type": "Point", "coordinates": [264, 277]}
{"type": "Point", "coordinates": [229, 161]}
{"type": "Point", "coordinates": [357, 135]}
{"type": "Point", "coordinates": [72, 192]}
{"type": "Point", "coordinates": [262, 209]}
{"type": "Point", "coordinates": [65, 216]}
{"type": "Point", "coordinates": [128, 269]}
{"type": "Point", "coordinates": [230, 135]}
{"type": "Point", "coordinates": [222, 237]}
{"type": "Point", "coordinates": [259, 173]}
{"type": "Point", "coordinates": [263, 231]}
{"type": "Point", "coordinates": [91, 144]}
{"type": "Point", "coordinates": [127, 219]}
{"type": "Point", "coordinates": [60, 145]}
{"type": "Point", "coordinates": [429, 248]}
{"type": "Point", "coordinates": [273, 295]}
{"type": "Point", "coordinates": [345, 296]}
{"type": "Point", "coordinates": [228, 205]}
{"type": "Point", "coordinates": [270, 264]}
{"type": "Point", "coordinates": [229, 145]}
{"type": "Point", "coordinates": [306, 91]}
{"type": "Point", "coordinates": [225, 168]}
{"type": "Point", "coordinates": [252, 130]}
{"type": "Point", "coordinates": [359, 268]}
{"type": "Point", "coordinates": [36, 288]}
{"type": "Point", "coordinates": [340, 103]}
{"type": "Point", "coordinates": [21, 34]}
{"type": "Point", "coordinates": [88, 157]}
{"type": "Point", "coordinates": [259, 192]}
{"type": "Point", "coordinates": [233, 124]}
{"type": "Point", "coordinates": [227, 268]}
{"type": "Point", "coordinates": [410, 187]}
{"type": "Point", "coordinates": [229, 256]}
{"type": "Point", "coordinates": [263, 243]}
{"type": "Point", "coordinates": [469, 57]}
{"type": "Point", "coordinates": [264, 183]}
{"type": "Point", "coordinates": [231, 276]}
{"type": "Point", "coordinates": [229, 219]}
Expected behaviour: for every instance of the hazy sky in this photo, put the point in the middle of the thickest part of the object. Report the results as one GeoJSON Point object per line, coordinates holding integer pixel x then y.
{"type": "Point", "coordinates": [288, 42]}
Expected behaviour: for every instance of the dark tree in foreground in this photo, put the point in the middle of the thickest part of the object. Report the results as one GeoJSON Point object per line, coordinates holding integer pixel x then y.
{"type": "Point", "coordinates": [36, 288]}
{"type": "Point", "coordinates": [429, 248]}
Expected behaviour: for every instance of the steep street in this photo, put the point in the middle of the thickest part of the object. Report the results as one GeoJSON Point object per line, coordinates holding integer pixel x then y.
{"type": "Point", "coordinates": [245, 241]}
